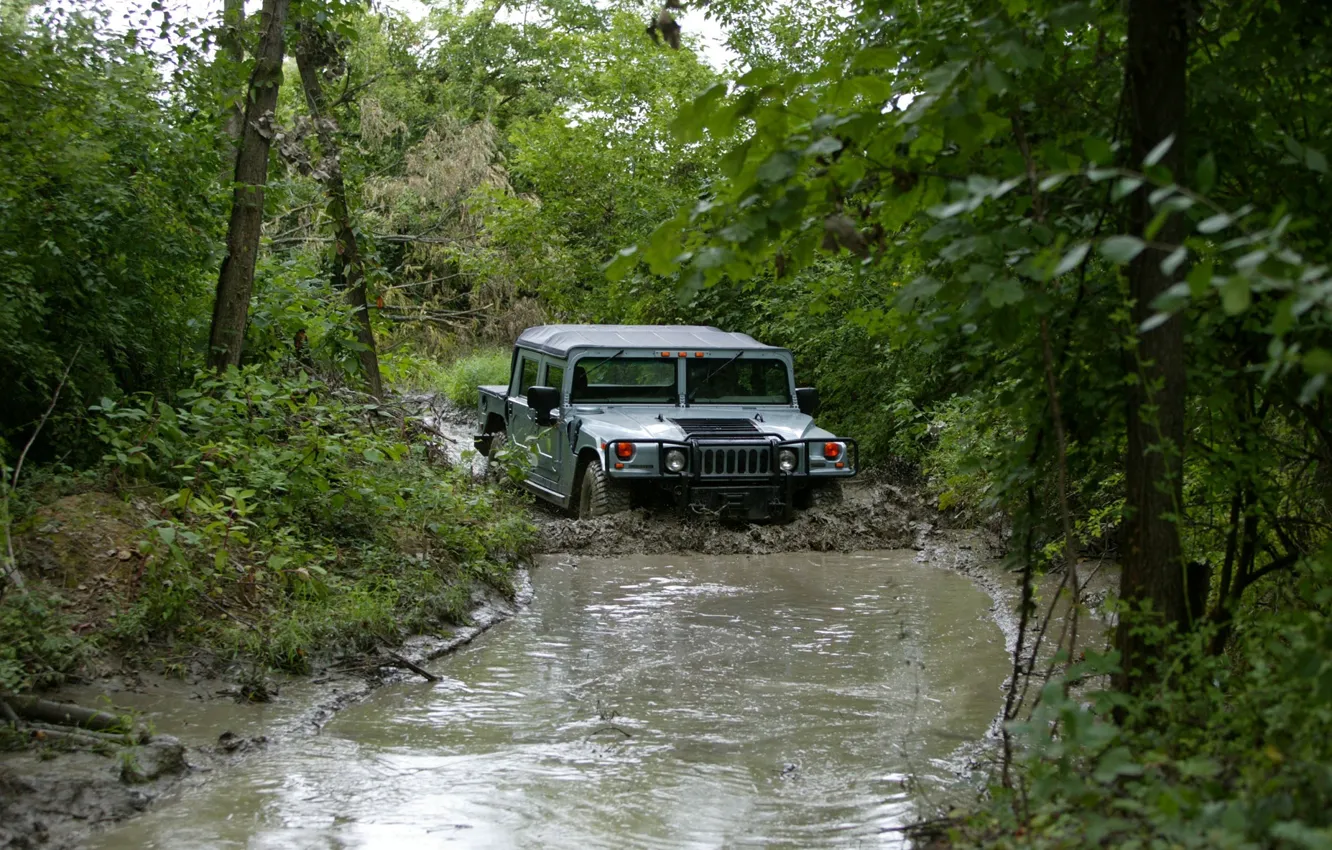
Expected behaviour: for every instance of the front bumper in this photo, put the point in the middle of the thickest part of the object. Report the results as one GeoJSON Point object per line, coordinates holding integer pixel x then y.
{"type": "Point", "coordinates": [734, 477]}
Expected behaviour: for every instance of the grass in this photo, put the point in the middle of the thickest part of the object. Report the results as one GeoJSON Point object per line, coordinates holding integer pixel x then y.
{"type": "Point", "coordinates": [484, 366]}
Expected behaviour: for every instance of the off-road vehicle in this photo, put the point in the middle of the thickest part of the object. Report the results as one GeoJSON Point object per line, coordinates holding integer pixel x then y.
{"type": "Point", "coordinates": [710, 420]}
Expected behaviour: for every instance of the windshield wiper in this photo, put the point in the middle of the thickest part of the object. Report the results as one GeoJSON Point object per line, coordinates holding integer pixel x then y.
{"type": "Point", "coordinates": [600, 363]}
{"type": "Point", "coordinates": [689, 399]}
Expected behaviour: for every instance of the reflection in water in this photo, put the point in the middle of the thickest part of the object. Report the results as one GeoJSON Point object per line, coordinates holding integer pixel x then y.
{"type": "Point", "coordinates": [681, 701]}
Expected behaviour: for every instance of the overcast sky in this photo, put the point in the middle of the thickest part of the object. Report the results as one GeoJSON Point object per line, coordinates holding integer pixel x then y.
{"type": "Point", "coordinates": [714, 49]}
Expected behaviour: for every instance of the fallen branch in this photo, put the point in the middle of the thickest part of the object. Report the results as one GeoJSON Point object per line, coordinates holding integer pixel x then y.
{"type": "Point", "coordinates": [399, 661]}
{"type": "Point", "coordinates": [74, 737]}
{"type": "Point", "coordinates": [121, 739]}
{"type": "Point", "coordinates": [8, 714]}
{"type": "Point", "coordinates": [63, 714]}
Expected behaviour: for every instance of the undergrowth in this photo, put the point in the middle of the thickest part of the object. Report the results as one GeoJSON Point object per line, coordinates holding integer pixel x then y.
{"type": "Point", "coordinates": [298, 523]}
{"type": "Point", "coordinates": [462, 377]}
{"type": "Point", "coordinates": [1223, 750]}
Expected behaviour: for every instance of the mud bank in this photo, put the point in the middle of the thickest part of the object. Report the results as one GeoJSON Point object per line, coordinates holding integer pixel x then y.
{"type": "Point", "coordinates": [53, 798]}
{"type": "Point", "coordinates": [869, 517]}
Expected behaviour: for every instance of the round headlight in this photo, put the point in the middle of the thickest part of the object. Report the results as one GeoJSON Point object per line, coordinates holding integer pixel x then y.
{"type": "Point", "coordinates": [675, 460]}
{"type": "Point", "coordinates": [786, 460]}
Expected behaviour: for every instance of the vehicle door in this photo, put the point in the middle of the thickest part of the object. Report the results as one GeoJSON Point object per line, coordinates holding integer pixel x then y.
{"type": "Point", "coordinates": [523, 430]}
{"type": "Point", "coordinates": [552, 442]}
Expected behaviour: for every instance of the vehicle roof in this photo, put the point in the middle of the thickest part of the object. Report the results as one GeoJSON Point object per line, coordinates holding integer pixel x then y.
{"type": "Point", "coordinates": [559, 340]}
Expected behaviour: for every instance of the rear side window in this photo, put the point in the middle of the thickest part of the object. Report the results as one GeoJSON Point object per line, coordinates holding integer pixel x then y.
{"type": "Point", "coordinates": [555, 375]}
{"type": "Point", "coordinates": [528, 376]}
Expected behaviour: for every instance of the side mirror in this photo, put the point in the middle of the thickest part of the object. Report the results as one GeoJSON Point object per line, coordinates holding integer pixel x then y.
{"type": "Point", "coordinates": [543, 401]}
{"type": "Point", "coordinates": [807, 399]}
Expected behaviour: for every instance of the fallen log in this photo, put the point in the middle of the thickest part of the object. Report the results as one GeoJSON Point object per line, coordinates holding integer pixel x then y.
{"type": "Point", "coordinates": [399, 661]}
{"type": "Point", "coordinates": [8, 714]}
{"type": "Point", "coordinates": [64, 714]}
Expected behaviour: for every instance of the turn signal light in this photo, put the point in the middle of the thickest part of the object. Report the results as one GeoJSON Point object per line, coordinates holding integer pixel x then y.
{"type": "Point", "coordinates": [832, 451]}
{"type": "Point", "coordinates": [665, 354]}
{"type": "Point", "coordinates": [624, 451]}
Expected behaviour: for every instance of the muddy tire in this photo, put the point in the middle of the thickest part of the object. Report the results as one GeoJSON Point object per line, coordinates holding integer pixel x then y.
{"type": "Point", "coordinates": [598, 495]}
{"type": "Point", "coordinates": [490, 468]}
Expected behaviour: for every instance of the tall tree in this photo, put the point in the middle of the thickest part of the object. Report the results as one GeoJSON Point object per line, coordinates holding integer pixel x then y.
{"type": "Point", "coordinates": [314, 50]}
{"type": "Point", "coordinates": [1156, 94]}
{"type": "Point", "coordinates": [233, 18]}
{"type": "Point", "coordinates": [231, 307]}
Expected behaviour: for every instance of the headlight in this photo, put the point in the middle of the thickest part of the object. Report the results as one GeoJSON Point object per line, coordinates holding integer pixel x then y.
{"type": "Point", "coordinates": [675, 460]}
{"type": "Point", "coordinates": [786, 460]}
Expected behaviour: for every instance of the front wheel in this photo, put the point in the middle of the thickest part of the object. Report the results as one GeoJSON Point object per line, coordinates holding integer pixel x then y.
{"type": "Point", "coordinates": [599, 495]}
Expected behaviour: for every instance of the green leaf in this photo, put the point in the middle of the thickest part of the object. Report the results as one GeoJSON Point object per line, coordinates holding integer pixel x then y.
{"type": "Point", "coordinates": [1004, 291]}
{"type": "Point", "coordinates": [1171, 264]}
{"type": "Point", "coordinates": [1235, 295]}
{"type": "Point", "coordinates": [824, 146]}
{"type": "Point", "coordinates": [1155, 154]}
{"type": "Point", "coordinates": [1116, 762]}
{"type": "Point", "coordinates": [1205, 176]}
{"type": "Point", "coordinates": [1098, 151]}
{"type": "Point", "coordinates": [1072, 259]}
{"type": "Point", "coordinates": [373, 455]}
{"type": "Point", "coordinates": [1318, 361]}
{"type": "Point", "coordinates": [1200, 278]}
{"type": "Point", "coordinates": [777, 167]}
{"type": "Point", "coordinates": [1201, 767]}
{"type": "Point", "coordinates": [1315, 160]}
{"type": "Point", "coordinates": [1122, 249]}
{"type": "Point", "coordinates": [1124, 187]}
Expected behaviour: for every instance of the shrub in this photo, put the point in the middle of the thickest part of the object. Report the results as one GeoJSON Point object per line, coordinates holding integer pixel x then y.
{"type": "Point", "coordinates": [313, 521]}
{"type": "Point", "coordinates": [489, 366]}
{"type": "Point", "coordinates": [39, 649]}
{"type": "Point", "coordinates": [1223, 751]}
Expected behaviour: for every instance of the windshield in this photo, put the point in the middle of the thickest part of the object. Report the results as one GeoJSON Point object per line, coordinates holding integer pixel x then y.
{"type": "Point", "coordinates": [625, 380]}
{"type": "Point", "coordinates": [743, 381]}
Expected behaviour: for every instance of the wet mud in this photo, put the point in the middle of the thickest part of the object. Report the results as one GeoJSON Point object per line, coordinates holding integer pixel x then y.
{"type": "Point", "coordinates": [52, 798]}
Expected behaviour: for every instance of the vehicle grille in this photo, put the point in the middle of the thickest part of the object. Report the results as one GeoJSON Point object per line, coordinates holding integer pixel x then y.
{"type": "Point", "coordinates": [717, 429]}
{"type": "Point", "coordinates": [717, 461]}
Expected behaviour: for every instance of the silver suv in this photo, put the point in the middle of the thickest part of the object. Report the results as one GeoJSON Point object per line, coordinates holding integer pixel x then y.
{"type": "Point", "coordinates": [710, 420]}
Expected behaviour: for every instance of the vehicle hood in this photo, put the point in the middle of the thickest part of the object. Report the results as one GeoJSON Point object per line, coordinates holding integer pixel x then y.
{"type": "Point", "coordinates": [675, 423]}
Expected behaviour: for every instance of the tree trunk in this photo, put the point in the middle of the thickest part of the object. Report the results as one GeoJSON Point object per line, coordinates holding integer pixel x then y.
{"type": "Point", "coordinates": [1153, 567]}
{"type": "Point", "coordinates": [348, 269]}
{"type": "Point", "coordinates": [232, 305]}
{"type": "Point", "coordinates": [233, 18]}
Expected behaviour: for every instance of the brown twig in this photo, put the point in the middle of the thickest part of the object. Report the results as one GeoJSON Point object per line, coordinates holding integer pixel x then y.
{"type": "Point", "coordinates": [1052, 388]}
{"type": "Point", "coordinates": [11, 566]}
{"type": "Point", "coordinates": [413, 666]}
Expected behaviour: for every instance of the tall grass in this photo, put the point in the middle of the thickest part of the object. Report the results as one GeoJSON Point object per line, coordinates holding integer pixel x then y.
{"type": "Point", "coordinates": [483, 366]}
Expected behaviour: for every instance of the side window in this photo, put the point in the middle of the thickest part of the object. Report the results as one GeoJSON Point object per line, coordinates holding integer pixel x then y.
{"type": "Point", "coordinates": [527, 378]}
{"type": "Point", "coordinates": [555, 376]}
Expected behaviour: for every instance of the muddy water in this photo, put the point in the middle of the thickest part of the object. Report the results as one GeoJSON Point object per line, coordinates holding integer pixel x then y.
{"type": "Point", "coordinates": [678, 701]}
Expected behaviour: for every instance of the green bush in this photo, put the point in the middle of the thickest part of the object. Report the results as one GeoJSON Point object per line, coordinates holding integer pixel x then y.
{"type": "Point", "coordinates": [109, 221]}
{"type": "Point", "coordinates": [325, 520]}
{"type": "Point", "coordinates": [1223, 751]}
{"type": "Point", "coordinates": [461, 378]}
{"type": "Point", "coordinates": [39, 648]}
